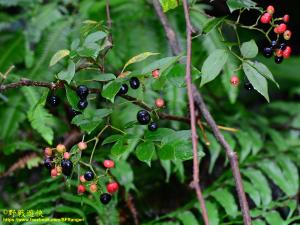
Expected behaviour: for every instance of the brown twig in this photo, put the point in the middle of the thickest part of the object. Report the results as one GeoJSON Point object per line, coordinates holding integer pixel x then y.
{"type": "Point", "coordinates": [132, 208]}
{"type": "Point", "coordinates": [188, 78]}
{"type": "Point", "coordinates": [232, 156]}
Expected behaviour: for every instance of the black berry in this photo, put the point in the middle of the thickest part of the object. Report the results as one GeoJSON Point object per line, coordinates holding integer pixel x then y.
{"type": "Point", "coordinates": [53, 100]}
{"type": "Point", "coordinates": [89, 175]}
{"type": "Point", "coordinates": [278, 59]}
{"type": "Point", "coordinates": [123, 90]}
{"type": "Point", "coordinates": [268, 52]}
{"type": "Point", "coordinates": [273, 44]}
{"type": "Point", "coordinates": [82, 104]}
{"type": "Point", "coordinates": [67, 167]}
{"type": "Point", "coordinates": [282, 46]}
{"type": "Point", "coordinates": [152, 126]}
{"type": "Point", "coordinates": [248, 86]}
{"type": "Point", "coordinates": [71, 113]}
{"type": "Point", "coordinates": [48, 163]}
{"type": "Point", "coordinates": [82, 91]}
{"type": "Point", "coordinates": [105, 198]}
{"type": "Point", "coordinates": [143, 117]}
{"type": "Point", "coordinates": [134, 83]}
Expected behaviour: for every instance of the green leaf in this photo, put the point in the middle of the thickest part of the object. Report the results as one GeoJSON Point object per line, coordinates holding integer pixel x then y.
{"type": "Point", "coordinates": [176, 75]}
{"type": "Point", "coordinates": [263, 70]}
{"type": "Point", "coordinates": [144, 152]}
{"type": "Point", "coordinates": [118, 148]}
{"type": "Point", "coordinates": [110, 90]}
{"type": "Point", "coordinates": [226, 199]}
{"type": "Point", "coordinates": [138, 58]}
{"type": "Point", "coordinates": [212, 212]}
{"type": "Point", "coordinates": [258, 222]}
{"type": "Point", "coordinates": [168, 4]}
{"type": "Point", "coordinates": [124, 174]}
{"type": "Point", "coordinates": [161, 64]}
{"type": "Point", "coordinates": [100, 77]}
{"type": "Point", "coordinates": [72, 97]}
{"type": "Point", "coordinates": [239, 4]}
{"type": "Point", "coordinates": [18, 145]}
{"type": "Point", "coordinates": [159, 134]}
{"type": "Point", "coordinates": [94, 37]}
{"type": "Point", "coordinates": [166, 152]}
{"type": "Point", "coordinates": [259, 183]}
{"type": "Point", "coordinates": [258, 81]}
{"type": "Point", "coordinates": [274, 218]}
{"type": "Point", "coordinates": [213, 65]}
{"type": "Point", "coordinates": [89, 50]}
{"type": "Point", "coordinates": [58, 56]}
{"type": "Point", "coordinates": [67, 74]}
{"type": "Point", "coordinates": [212, 23]}
{"type": "Point", "coordinates": [245, 143]}
{"type": "Point", "coordinates": [253, 193]}
{"type": "Point", "coordinates": [112, 138]}
{"type": "Point", "coordinates": [187, 218]}
{"type": "Point", "coordinates": [249, 49]}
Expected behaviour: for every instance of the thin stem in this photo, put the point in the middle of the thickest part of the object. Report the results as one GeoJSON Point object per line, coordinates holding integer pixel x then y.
{"type": "Point", "coordinates": [192, 113]}
{"type": "Point", "coordinates": [92, 154]}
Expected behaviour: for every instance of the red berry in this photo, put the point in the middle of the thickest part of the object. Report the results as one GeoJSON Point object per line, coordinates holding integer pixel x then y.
{"type": "Point", "coordinates": [80, 189]}
{"type": "Point", "coordinates": [279, 52]}
{"type": "Point", "coordinates": [270, 9]}
{"type": "Point", "coordinates": [81, 178]}
{"type": "Point", "coordinates": [48, 152]}
{"type": "Point", "coordinates": [82, 145]}
{"type": "Point", "coordinates": [159, 103]}
{"type": "Point", "coordinates": [93, 188]}
{"type": "Point", "coordinates": [112, 187]}
{"type": "Point", "coordinates": [234, 80]}
{"type": "Point", "coordinates": [287, 35]}
{"type": "Point", "coordinates": [276, 30]}
{"type": "Point", "coordinates": [108, 163]}
{"type": "Point", "coordinates": [54, 172]}
{"type": "Point", "coordinates": [155, 73]}
{"type": "Point", "coordinates": [67, 155]}
{"type": "Point", "coordinates": [281, 28]}
{"type": "Point", "coordinates": [286, 18]}
{"type": "Point", "coordinates": [287, 52]}
{"type": "Point", "coordinates": [266, 18]}
{"type": "Point", "coordinates": [61, 148]}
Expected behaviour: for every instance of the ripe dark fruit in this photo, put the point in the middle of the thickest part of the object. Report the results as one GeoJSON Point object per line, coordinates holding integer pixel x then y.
{"type": "Point", "coordinates": [67, 167]}
{"type": "Point", "coordinates": [152, 126]}
{"type": "Point", "coordinates": [105, 198]}
{"type": "Point", "coordinates": [123, 90]}
{"type": "Point", "coordinates": [71, 113]}
{"type": "Point", "coordinates": [278, 59]}
{"type": "Point", "coordinates": [134, 83]}
{"type": "Point", "coordinates": [248, 86]}
{"type": "Point", "coordinates": [273, 44]}
{"type": "Point", "coordinates": [143, 117]}
{"type": "Point", "coordinates": [268, 52]}
{"type": "Point", "coordinates": [282, 46]}
{"type": "Point", "coordinates": [82, 104]}
{"type": "Point", "coordinates": [48, 163]}
{"type": "Point", "coordinates": [82, 91]}
{"type": "Point", "coordinates": [53, 101]}
{"type": "Point", "coordinates": [89, 175]}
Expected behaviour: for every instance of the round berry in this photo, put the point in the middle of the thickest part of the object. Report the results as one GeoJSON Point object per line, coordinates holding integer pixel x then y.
{"type": "Point", "coordinates": [81, 178]}
{"type": "Point", "coordinates": [71, 113]}
{"type": "Point", "coordinates": [60, 148]}
{"type": "Point", "coordinates": [112, 187]}
{"type": "Point", "coordinates": [152, 126]}
{"type": "Point", "coordinates": [282, 46]}
{"type": "Point", "coordinates": [279, 52]}
{"type": "Point", "coordinates": [248, 86]}
{"type": "Point", "coordinates": [67, 155]}
{"type": "Point", "coordinates": [159, 103]}
{"type": "Point", "coordinates": [53, 101]}
{"type": "Point", "coordinates": [143, 117]}
{"type": "Point", "coordinates": [48, 152]}
{"type": "Point", "coordinates": [67, 167]}
{"type": "Point", "coordinates": [80, 189]}
{"type": "Point", "coordinates": [235, 80]}
{"type": "Point", "coordinates": [105, 198]}
{"type": "Point", "coordinates": [54, 172]}
{"type": "Point", "coordinates": [278, 59]}
{"type": "Point", "coordinates": [286, 18]}
{"type": "Point", "coordinates": [109, 163]}
{"type": "Point", "coordinates": [82, 145]}
{"type": "Point", "coordinates": [89, 175]}
{"type": "Point", "coordinates": [134, 82]}
{"type": "Point", "coordinates": [287, 35]}
{"type": "Point", "coordinates": [273, 44]}
{"type": "Point", "coordinates": [270, 9]}
{"type": "Point", "coordinates": [281, 28]}
{"type": "Point", "coordinates": [123, 90]}
{"type": "Point", "coordinates": [268, 52]}
{"type": "Point", "coordinates": [48, 163]}
{"type": "Point", "coordinates": [82, 91]}
{"type": "Point", "coordinates": [266, 18]}
{"type": "Point", "coordinates": [276, 30]}
{"type": "Point", "coordinates": [93, 188]}
{"type": "Point", "coordinates": [155, 73]}
{"type": "Point", "coordinates": [287, 52]}
{"type": "Point", "coordinates": [82, 104]}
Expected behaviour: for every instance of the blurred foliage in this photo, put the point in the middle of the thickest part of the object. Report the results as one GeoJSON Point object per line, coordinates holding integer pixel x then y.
{"type": "Point", "coordinates": [46, 40]}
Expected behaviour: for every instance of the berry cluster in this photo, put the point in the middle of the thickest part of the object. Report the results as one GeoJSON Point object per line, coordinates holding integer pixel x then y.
{"type": "Point", "coordinates": [278, 48]}
{"type": "Point", "coordinates": [134, 83]}
{"type": "Point", "coordinates": [82, 91]}
{"type": "Point", "coordinates": [57, 161]}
